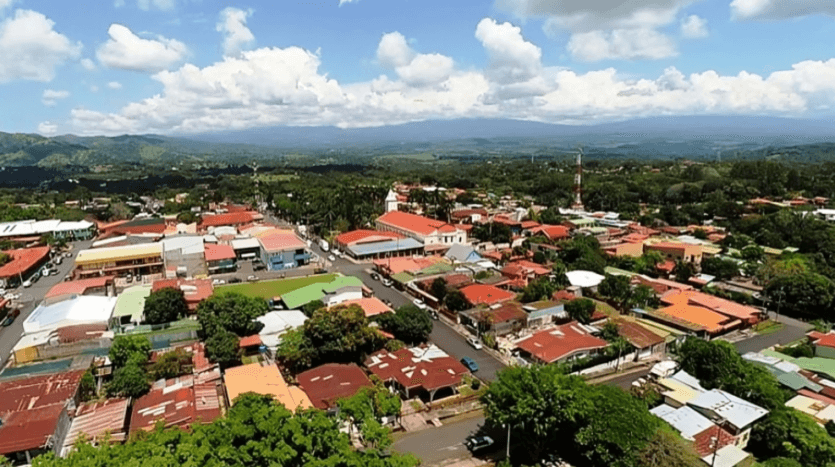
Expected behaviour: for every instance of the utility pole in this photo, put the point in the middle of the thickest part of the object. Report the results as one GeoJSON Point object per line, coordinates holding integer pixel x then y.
{"type": "Point", "coordinates": [507, 454]}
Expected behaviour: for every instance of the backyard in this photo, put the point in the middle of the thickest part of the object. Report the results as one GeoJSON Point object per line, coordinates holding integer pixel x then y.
{"type": "Point", "coordinates": [274, 288]}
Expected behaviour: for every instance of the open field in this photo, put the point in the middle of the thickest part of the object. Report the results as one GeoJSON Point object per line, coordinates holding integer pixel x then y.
{"type": "Point", "coordinates": [273, 288]}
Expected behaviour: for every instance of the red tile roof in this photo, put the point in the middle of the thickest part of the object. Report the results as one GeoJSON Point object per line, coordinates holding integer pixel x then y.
{"type": "Point", "coordinates": [553, 232]}
{"type": "Point", "coordinates": [464, 213]}
{"type": "Point", "coordinates": [282, 242]}
{"type": "Point", "coordinates": [506, 312]}
{"type": "Point", "coordinates": [635, 238]}
{"type": "Point", "coordinates": [530, 224]}
{"type": "Point", "coordinates": [715, 304]}
{"type": "Point", "coordinates": [78, 287]}
{"type": "Point", "coordinates": [29, 429]}
{"type": "Point", "coordinates": [480, 294]}
{"type": "Point", "coordinates": [38, 391]}
{"type": "Point", "coordinates": [457, 280]}
{"type": "Point", "coordinates": [682, 248]}
{"type": "Point", "coordinates": [152, 225]}
{"type": "Point", "coordinates": [328, 383]}
{"type": "Point", "coordinates": [217, 252]}
{"type": "Point", "coordinates": [194, 291]}
{"type": "Point", "coordinates": [23, 260]}
{"type": "Point", "coordinates": [365, 236]}
{"type": "Point", "coordinates": [563, 295]}
{"type": "Point", "coordinates": [415, 368]}
{"type": "Point", "coordinates": [372, 306]}
{"type": "Point", "coordinates": [554, 344]}
{"type": "Point", "coordinates": [414, 223]}
{"type": "Point", "coordinates": [825, 340]}
{"type": "Point", "coordinates": [250, 341]}
{"type": "Point", "coordinates": [177, 402]}
{"type": "Point", "coordinates": [524, 268]}
{"type": "Point", "coordinates": [666, 266]}
{"type": "Point", "coordinates": [637, 335]}
{"type": "Point", "coordinates": [229, 218]}
{"type": "Point", "coordinates": [703, 442]}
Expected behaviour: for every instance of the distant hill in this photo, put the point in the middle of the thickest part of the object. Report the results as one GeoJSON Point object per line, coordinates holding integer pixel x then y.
{"type": "Point", "coordinates": [656, 137]}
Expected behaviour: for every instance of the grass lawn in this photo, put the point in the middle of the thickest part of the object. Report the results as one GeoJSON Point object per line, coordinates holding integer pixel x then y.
{"type": "Point", "coordinates": [768, 327]}
{"type": "Point", "coordinates": [273, 288]}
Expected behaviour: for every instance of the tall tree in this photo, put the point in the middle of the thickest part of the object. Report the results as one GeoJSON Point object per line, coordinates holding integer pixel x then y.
{"type": "Point", "coordinates": [165, 305]}
{"type": "Point", "coordinates": [580, 309]}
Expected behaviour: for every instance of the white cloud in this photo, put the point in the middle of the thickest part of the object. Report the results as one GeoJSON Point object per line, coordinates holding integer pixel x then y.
{"type": "Point", "coordinates": [274, 86]}
{"type": "Point", "coordinates": [50, 97]}
{"type": "Point", "coordinates": [88, 64]}
{"type": "Point", "coordinates": [156, 4]}
{"type": "Point", "coordinates": [114, 85]}
{"type": "Point", "coordinates": [413, 68]}
{"type": "Point", "coordinates": [780, 9]}
{"type": "Point", "coordinates": [31, 49]}
{"type": "Point", "coordinates": [512, 58]}
{"type": "Point", "coordinates": [624, 44]}
{"type": "Point", "coordinates": [237, 35]}
{"type": "Point", "coordinates": [342, 2]}
{"type": "Point", "coordinates": [694, 27]}
{"type": "Point", "coordinates": [5, 4]}
{"type": "Point", "coordinates": [128, 51]}
{"type": "Point", "coordinates": [47, 128]}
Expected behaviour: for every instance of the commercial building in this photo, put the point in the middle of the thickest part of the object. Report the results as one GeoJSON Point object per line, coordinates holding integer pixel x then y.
{"type": "Point", "coordinates": [747, 315]}
{"type": "Point", "coordinates": [219, 258]}
{"type": "Point", "coordinates": [83, 309]}
{"type": "Point", "coordinates": [425, 371]}
{"type": "Point", "coordinates": [341, 289]}
{"type": "Point", "coordinates": [134, 259]}
{"type": "Point", "coordinates": [32, 230]}
{"type": "Point", "coordinates": [434, 234]}
{"type": "Point", "coordinates": [366, 244]}
{"type": "Point", "coordinates": [24, 262]}
{"type": "Point", "coordinates": [265, 380]}
{"type": "Point", "coordinates": [184, 256]}
{"type": "Point", "coordinates": [246, 248]}
{"type": "Point", "coordinates": [102, 286]}
{"type": "Point", "coordinates": [328, 383]}
{"type": "Point", "coordinates": [694, 320]}
{"type": "Point", "coordinates": [564, 343]}
{"type": "Point", "coordinates": [229, 219]}
{"type": "Point", "coordinates": [283, 250]}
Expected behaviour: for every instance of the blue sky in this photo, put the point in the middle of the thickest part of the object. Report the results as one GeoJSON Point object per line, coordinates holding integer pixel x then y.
{"type": "Point", "coordinates": [190, 66]}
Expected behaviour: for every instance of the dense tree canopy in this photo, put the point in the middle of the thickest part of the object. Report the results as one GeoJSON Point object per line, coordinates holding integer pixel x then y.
{"type": "Point", "coordinates": [409, 324]}
{"type": "Point", "coordinates": [165, 305]}
{"type": "Point", "coordinates": [580, 309]}
{"type": "Point", "coordinates": [226, 318]}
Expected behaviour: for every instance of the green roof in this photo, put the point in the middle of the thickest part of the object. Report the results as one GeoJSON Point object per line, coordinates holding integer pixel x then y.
{"type": "Point", "coordinates": [437, 268]}
{"type": "Point", "coordinates": [402, 277]}
{"type": "Point", "coordinates": [312, 292]}
{"type": "Point", "coordinates": [619, 272]}
{"type": "Point", "coordinates": [824, 366]}
{"type": "Point", "coordinates": [131, 302]}
{"type": "Point", "coordinates": [797, 381]}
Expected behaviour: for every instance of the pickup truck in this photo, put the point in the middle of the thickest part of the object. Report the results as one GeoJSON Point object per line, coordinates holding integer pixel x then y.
{"type": "Point", "coordinates": [11, 317]}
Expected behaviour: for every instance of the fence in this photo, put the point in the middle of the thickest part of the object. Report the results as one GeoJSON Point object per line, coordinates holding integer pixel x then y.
{"type": "Point", "coordinates": [607, 366]}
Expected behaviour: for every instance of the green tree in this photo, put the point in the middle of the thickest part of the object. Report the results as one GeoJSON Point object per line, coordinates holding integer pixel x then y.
{"type": "Point", "coordinates": [4, 258]}
{"type": "Point", "coordinates": [223, 348]}
{"type": "Point", "coordinates": [126, 347]}
{"type": "Point", "coordinates": [720, 268]}
{"type": "Point", "coordinates": [781, 462]}
{"type": "Point", "coordinates": [409, 324]}
{"type": "Point", "coordinates": [165, 305]}
{"type": "Point", "coordinates": [456, 301]}
{"type": "Point", "coordinates": [538, 289]}
{"type": "Point", "coordinates": [86, 387]}
{"type": "Point", "coordinates": [233, 312]}
{"type": "Point", "coordinates": [311, 307]}
{"type": "Point", "coordinates": [580, 309]}
{"type": "Point", "coordinates": [618, 288]}
{"type": "Point", "coordinates": [171, 364]}
{"type": "Point", "coordinates": [807, 295]}
{"type": "Point", "coordinates": [439, 289]}
{"type": "Point", "coordinates": [129, 381]}
{"type": "Point", "coordinates": [684, 271]}
{"type": "Point", "coordinates": [667, 449]}
{"type": "Point", "coordinates": [789, 433]}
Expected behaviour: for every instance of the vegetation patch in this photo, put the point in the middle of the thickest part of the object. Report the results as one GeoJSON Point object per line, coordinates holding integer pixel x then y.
{"type": "Point", "coordinates": [275, 288]}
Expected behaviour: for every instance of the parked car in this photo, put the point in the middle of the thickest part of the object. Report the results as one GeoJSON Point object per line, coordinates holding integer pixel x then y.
{"type": "Point", "coordinates": [235, 280]}
{"type": "Point", "coordinates": [331, 258]}
{"type": "Point", "coordinates": [58, 260]}
{"type": "Point", "coordinates": [387, 282]}
{"type": "Point", "coordinates": [470, 364]}
{"type": "Point", "coordinates": [218, 282]}
{"type": "Point", "coordinates": [474, 343]}
{"type": "Point", "coordinates": [420, 304]}
{"type": "Point", "coordinates": [375, 276]}
{"type": "Point", "coordinates": [27, 283]}
{"type": "Point", "coordinates": [252, 278]}
{"type": "Point", "coordinates": [478, 443]}
{"type": "Point", "coordinates": [11, 317]}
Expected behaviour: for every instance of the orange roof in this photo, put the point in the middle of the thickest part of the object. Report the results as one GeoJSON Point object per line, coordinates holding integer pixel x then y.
{"type": "Point", "coordinates": [78, 287]}
{"type": "Point", "coordinates": [230, 218]}
{"type": "Point", "coordinates": [215, 252]}
{"type": "Point", "coordinates": [479, 294]}
{"type": "Point", "coordinates": [365, 236]}
{"type": "Point", "coordinates": [372, 306]}
{"type": "Point", "coordinates": [398, 265]}
{"type": "Point", "coordinates": [716, 304]}
{"type": "Point", "coordinates": [696, 316]}
{"type": "Point", "coordinates": [282, 242]}
{"type": "Point", "coordinates": [684, 248]}
{"type": "Point", "coordinates": [194, 291]}
{"type": "Point", "coordinates": [530, 224]}
{"type": "Point", "coordinates": [635, 238]}
{"type": "Point", "coordinates": [23, 260]}
{"type": "Point", "coordinates": [265, 380]}
{"type": "Point", "coordinates": [553, 232]}
{"type": "Point", "coordinates": [250, 341]}
{"type": "Point", "coordinates": [551, 345]}
{"type": "Point", "coordinates": [414, 223]}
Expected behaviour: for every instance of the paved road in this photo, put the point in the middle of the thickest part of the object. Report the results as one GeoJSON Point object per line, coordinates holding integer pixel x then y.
{"type": "Point", "coordinates": [792, 331]}
{"type": "Point", "coordinates": [434, 445]}
{"type": "Point", "coordinates": [33, 296]}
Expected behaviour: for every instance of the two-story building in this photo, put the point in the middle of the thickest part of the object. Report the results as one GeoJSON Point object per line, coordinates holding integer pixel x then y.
{"type": "Point", "coordinates": [140, 259]}
{"type": "Point", "coordinates": [283, 250]}
{"type": "Point", "coordinates": [434, 234]}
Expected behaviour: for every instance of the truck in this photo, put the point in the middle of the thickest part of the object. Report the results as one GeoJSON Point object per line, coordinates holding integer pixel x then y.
{"type": "Point", "coordinates": [324, 245]}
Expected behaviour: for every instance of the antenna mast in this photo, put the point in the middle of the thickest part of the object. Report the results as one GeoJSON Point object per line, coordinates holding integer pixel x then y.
{"type": "Point", "coordinates": [578, 182]}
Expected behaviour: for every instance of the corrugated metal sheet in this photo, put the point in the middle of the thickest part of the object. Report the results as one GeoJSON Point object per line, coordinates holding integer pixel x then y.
{"type": "Point", "coordinates": [97, 420]}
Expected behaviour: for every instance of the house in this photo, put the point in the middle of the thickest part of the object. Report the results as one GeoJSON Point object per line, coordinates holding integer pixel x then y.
{"type": "Point", "coordinates": [341, 289]}
{"type": "Point", "coordinates": [246, 248]}
{"type": "Point", "coordinates": [679, 389]}
{"type": "Point", "coordinates": [479, 294]}
{"type": "Point", "coordinates": [463, 254]}
{"type": "Point", "coordinates": [544, 312]}
{"type": "Point", "coordinates": [424, 371]}
{"type": "Point", "coordinates": [102, 286]}
{"type": "Point", "coordinates": [328, 383]}
{"type": "Point", "coordinates": [729, 456]}
{"type": "Point", "coordinates": [470, 216]}
{"type": "Point", "coordinates": [646, 342]}
{"type": "Point", "coordinates": [233, 219]}
{"type": "Point", "coordinates": [365, 244]}
{"type": "Point", "coordinates": [83, 309]}
{"type": "Point", "coordinates": [265, 380]}
{"type": "Point", "coordinates": [499, 320]}
{"type": "Point", "coordinates": [733, 414]}
{"type": "Point", "coordinates": [553, 233]}
{"type": "Point", "coordinates": [821, 411]}
{"type": "Point", "coordinates": [132, 259]}
{"type": "Point", "coordinates": [219, 258]}
{"type": "Point", "coordinates": [694, 320]}
{"type": "Point", "coordinates": [177, 402]}
{"type": "Point", "coordinates": [824, 343]}
{"type": "Point", "coordinates": [24, 262]}
{"type": "Point", "coordinates": [371, 306]}
{"type": "Point", "coordinates": [194, 291]}
{"type": "Point", "coordinates": [283, 250]}
{"type": "Point", "coordinates": [522, 272]}
{"type": "Point", "coordinates": [681, 296]}
{"type": "Point", "coordinates": [34, 412]}
{"type": "Point", "coordinates": [625, 248]}
{"type": "Point", "coordinates": [563, 343]}
{"type": "Point", "coordinates": [660, 286]}
{"type": "Point", "coordinates": [434, 234]}
{"type": "Point", "coordinates": [676, 251]}
{"type": "Point", "coordinates": [97, 421]}
{"type": "Point", "coordinates": [276, 324]}
{"type": "Point", "coordinates": [705, 435]}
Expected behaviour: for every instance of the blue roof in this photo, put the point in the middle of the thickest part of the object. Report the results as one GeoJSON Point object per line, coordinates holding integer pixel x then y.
{"type": "Point", "coordinates": [385, 247]}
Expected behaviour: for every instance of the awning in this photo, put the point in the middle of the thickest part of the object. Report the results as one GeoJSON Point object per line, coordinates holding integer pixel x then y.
{"type": "Point", "coordinates": [248, 255]}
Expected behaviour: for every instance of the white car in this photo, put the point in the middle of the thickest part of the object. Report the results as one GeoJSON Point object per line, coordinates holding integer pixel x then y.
{"type": "Point", "coordinates": [218, 282]}
{"type": "Point", "coordinates": [387, 282]}
{"type": "Point", "coordinates": [474, 343]}
{"type": "Point", "coordinates": [331, 258]}
{"type": "Point", "coordinates": [419, 303]}
{"type": "Point", "coordinates": [27, 284]}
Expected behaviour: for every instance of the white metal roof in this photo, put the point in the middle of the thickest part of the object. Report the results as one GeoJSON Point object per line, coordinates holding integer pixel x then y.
{"type": "Point", "coordinates": [33, 227]}
{"type": "Point", "coordinates": [685, 420]}
{"type": "Point", "coordinates": [84, 309]}
{"type": "Point", "coordinates": [190, 245]}
{"type": "Point", "coordinates": [584, 278]}
{"type": "Point", "coordinates": [278, 322]}
{"type": "Point", "coordinates": [245, 243]}
{"type": "Point", "coordinates": [739, 413]}
{"type": "Point", "coordinates": [728, 456]}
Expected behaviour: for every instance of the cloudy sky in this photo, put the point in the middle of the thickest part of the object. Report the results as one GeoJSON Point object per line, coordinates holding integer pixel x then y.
{"type": "Point", "coordinates": [190, 66]}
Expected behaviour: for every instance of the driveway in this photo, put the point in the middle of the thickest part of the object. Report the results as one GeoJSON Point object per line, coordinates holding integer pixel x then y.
{"type": "Point", "coordinates": [32, 297]}
{"type": "Point", "coordinates": [792, 331]}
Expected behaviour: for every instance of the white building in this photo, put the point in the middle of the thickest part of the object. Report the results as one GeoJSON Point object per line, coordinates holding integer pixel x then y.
{"type": "Point", "coordinates": [430, 232]}
{"type": "Point", "coordinates": [84, 309]}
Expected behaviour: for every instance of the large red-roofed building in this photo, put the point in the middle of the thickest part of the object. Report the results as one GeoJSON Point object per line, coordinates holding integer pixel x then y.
{"type": "Point", "coordinates": [93, 286]}
{"type": "Point", "coordinates": [219, 258]}
{"type": "Point", "coordinates": [417, 370]}
{"type": "Point", "coordinates": [328, 383]}
{"type": "Point", "coordinates": [562, 343]}
{"type": "Point", "coordinates": [480, 294]}
{"type": "Point", "coordinates": [177, 402]}
{"type": "Point", "coordinates": [434, 234]}
{"type": "Point", "coordinates": [231, 219]}
{"type": "Point", "coordinates": [24, 262]}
